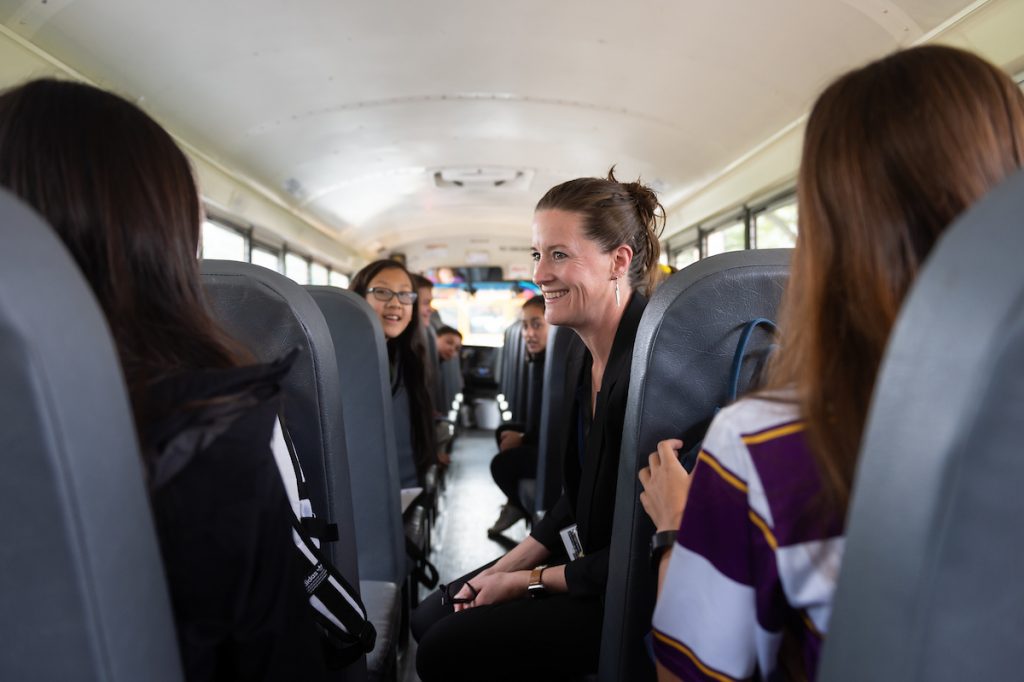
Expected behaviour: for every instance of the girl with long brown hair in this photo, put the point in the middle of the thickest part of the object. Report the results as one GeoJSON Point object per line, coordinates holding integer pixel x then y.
{"type": "Point", "coordinates": [893, 153]}
{"type": "Point", "coordinates": [121, 196]}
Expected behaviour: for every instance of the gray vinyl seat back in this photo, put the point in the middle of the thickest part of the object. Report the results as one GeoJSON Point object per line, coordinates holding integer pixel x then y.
{"type": "Point", "coordinates": [433, 368]}
{"type": "Point", "coordinates": [82, 588]}
{"type": "Point", "coordinates": [271, 315]}
{"type": "Point", "coordinates": [518, 405]}
{"type": "Point", "coordinates": [930, 585]}
{"type": "Point", "coordinates": [564, 349]}
{"type": "Point", "coordinates": [512, 355]}
{"type": "Point", "coordinates": [451, 382]}
{"type": "Point", "coordinates": [682, 358]}
{"type": "Point", "coordinates": [361, 356]}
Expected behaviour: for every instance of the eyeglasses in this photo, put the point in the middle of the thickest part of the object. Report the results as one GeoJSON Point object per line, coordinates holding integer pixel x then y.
{"type": "Point", "coordinates": [449, 591]}
{"type": "Point", "coordinates": [383, 294]}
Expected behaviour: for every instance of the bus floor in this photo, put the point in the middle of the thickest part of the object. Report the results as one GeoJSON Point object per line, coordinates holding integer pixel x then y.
{"type": "Point", "coordinates": [468, 506]}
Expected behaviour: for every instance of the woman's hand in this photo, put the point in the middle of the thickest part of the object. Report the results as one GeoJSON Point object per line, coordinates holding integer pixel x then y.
{"type": "Point", "coordinates": [509, 440]}
{"type": "Point", "coordinates": [493, 588]}
{"type": "Point", "coordinates": [666, 486]}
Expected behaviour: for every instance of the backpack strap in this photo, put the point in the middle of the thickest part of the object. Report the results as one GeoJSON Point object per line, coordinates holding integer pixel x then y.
{"type": "Point", "coordinates": [340, 604]}
{"type": "Point", "coordinates": [317, 528]}
{"type": "Point", "coordinates": [689, 456]}
{"type": "Point", "coordinates": [425, 572]}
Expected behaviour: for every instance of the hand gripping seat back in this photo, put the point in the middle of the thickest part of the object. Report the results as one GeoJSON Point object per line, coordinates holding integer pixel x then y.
{"type": "Point", "coordinates": [362, 360]}
{"type": "Point", "coordinates": [82, 588]}
{"type": "Point", "coordinates": [679, 377]}
{"type": "Point", "coordinates": [930, 586]}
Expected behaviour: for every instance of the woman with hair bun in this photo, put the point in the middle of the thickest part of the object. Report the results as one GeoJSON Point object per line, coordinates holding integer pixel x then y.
{"type": "Point", "coordinates": [595, 251]}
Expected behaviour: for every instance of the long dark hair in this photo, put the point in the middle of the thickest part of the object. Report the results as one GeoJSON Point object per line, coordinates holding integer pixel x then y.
{"type": "Point", "coordinates": [407, 352]}
{"type": "Point", "coordinates": [121, 196]}
{"type": "Point", "coordinates": [893, 153]}
{"type": "Point", "coordinates": [615, 213]}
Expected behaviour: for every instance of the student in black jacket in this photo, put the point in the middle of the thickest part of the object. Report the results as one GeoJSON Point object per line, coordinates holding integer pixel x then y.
{"type": "Point", "coordinates": [516, 460]}
{"type": "Point", "coordinates": [595, 244]}
{"type": "Point", "coordinates": [121, 196]}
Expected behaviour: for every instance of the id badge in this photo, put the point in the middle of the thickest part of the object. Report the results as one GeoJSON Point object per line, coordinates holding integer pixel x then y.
{"type": "Point", "coordinates": [571, 540]}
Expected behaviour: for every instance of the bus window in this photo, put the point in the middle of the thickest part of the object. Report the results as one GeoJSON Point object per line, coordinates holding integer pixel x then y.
{"type": "Point", "coordinates": [775, 228]}
{"type": "Point", "coordinates": [483, 315]}
{"type": "Point", "coordinates": [729, 237]}
{"type": "Point", "coordinates": [318, 274]}
{"type": "Point", "coordinates": [222, 243]}
{"type": "Point", "coordinates": [296, 267]}
{"type": "Point", "coordinates": [338, 279]}
{"type": "Point", "coordinates": [266, 258]}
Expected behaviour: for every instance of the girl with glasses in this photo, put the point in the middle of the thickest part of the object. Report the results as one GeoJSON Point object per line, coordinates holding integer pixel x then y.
{"type": "Point", "coordinates": [388, 287]}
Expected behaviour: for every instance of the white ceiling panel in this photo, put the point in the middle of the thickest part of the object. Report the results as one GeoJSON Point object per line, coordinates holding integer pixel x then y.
{"type": "Point", "coordinates": [347, 109]}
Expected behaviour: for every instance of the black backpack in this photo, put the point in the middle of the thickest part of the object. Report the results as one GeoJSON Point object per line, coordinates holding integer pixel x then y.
{"type": "Point", "coordinates": [337, 608]}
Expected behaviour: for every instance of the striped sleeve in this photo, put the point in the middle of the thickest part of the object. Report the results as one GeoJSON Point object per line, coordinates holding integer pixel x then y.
{"type": "Point", "coordinates": [715, 615]}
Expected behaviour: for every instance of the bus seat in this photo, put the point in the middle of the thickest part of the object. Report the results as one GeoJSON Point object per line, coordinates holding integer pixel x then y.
{"type": "Point", "coordinates": [271, 314]}
{"type": "Point", "coordinates": [452, 382]}
{"type": "Point", "coordinates": [680, 374]}
{"type": "Point", "coordinates": [512, 358]}
{"type": "Point", "coordinates": [82, 589]}
{"type": "Point", "coordinates": [562, 359]}
{"type": "Point", "coordinates": [930, 585]}
{"type": "Point", "coordinates": [359, 350]}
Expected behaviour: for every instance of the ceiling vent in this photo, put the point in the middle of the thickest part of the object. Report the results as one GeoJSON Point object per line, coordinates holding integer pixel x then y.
{"type": "Point", "coordinates": [482, 178]}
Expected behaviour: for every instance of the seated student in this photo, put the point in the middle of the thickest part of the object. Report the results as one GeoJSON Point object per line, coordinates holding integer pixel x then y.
{"type": "Point", "coordinates": [121, 196]}
{"type": "Point", "coordinates": [893, 153]}
{"type": "Point", "coordinates": [388, 287]}
{"type": "Point", "coordinates": [449, 343]}
{"type": "Point", "coordinates": [429, 318]}
{"type": "Point", "coordinates": [517, 457]}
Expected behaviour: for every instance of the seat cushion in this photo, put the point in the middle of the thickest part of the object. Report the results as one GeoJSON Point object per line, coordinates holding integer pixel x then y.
{"type": "Point", "coordinates": [383, 606]}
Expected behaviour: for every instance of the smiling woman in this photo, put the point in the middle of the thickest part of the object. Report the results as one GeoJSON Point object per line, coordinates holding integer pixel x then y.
{"type": "Point", "coordinates": [595, 244]}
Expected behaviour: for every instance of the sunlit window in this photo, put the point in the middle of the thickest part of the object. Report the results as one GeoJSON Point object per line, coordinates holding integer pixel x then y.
{"type": "Point", "coordinates": [685, 256]}
{"type": "Point", "coordinates": [481, 316]}
{"type": "Point", "coordinates": [266, 258]}
{"type": "Point", "coordinates": [729, 237]}
{"type": "Point", "coordinates": [318, 274]}
{"type": "Point", "coordinates": [776, 227]}
{"type": "Point", "coordinates": [222, 243]}
{"type": "Point", "coordinates": [339, 279]}
{"type": "Point", "coordinates": [296, 267]}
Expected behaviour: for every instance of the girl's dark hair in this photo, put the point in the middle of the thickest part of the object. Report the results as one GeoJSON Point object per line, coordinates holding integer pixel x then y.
{"type": "Point", "coordinates": [408, 352]}
{"type": "Point", "coordinates": [615, 213]}
{"type": "Point", "coordinates": [893, 153]}
{"type": "Point", "coordinates": [535, 302]}
{"type": "Point", "coordinates": [121, 196]}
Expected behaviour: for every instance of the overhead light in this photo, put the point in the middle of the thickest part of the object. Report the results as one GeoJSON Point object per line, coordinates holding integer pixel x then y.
{"type": "Point", "coordinates": [482, 177]}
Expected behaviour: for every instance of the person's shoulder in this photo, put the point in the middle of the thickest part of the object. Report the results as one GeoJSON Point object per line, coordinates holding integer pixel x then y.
{"type": "Point", "coordinates": [760, 412]}
{"type": "Point", "coordinates": [732, 429]}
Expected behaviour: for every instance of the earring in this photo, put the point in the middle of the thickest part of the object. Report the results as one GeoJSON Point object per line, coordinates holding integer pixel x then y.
{"type": "Point", "coordinates": [616, 292]}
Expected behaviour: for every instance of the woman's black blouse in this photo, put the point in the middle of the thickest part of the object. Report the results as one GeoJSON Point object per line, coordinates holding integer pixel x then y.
{"type": "Point", "coordinates": [590, 475]}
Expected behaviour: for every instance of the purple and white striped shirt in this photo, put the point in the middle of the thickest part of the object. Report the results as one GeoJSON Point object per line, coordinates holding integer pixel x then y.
{"type": "Point", "coordinates": [754, 556]}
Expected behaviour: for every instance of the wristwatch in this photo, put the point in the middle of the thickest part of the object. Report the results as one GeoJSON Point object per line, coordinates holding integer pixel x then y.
{"type": "Point", "coordinates": [660, 542]}
{"type": "Point", "coordinates": [536, 587]}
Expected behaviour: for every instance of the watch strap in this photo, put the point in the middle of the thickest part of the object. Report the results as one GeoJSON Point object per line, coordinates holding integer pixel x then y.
{"type": "Point", "coordinates": [660, 543]}
{"type": "Point", "coordinates": [536, 586]}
